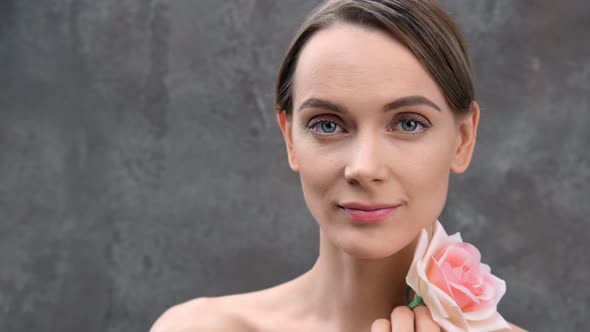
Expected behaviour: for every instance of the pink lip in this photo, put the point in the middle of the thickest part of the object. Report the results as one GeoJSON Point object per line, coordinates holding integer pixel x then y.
{"type": "Point", "coordinates": [367, 213]}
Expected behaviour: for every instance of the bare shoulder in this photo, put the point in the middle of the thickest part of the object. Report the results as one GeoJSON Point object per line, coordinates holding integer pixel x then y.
{"type": "Point", "coordinates": [200, 315]}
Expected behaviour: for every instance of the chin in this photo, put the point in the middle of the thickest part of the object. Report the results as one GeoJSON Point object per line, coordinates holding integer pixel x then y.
{"type": "Point", "coordinates": [371, 247]}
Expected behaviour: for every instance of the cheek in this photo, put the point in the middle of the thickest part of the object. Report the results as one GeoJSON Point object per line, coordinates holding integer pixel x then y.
{"type": "Point", "coordinates": [318, 163]}
{"type": "Point", "coordinates": [426, 179]}
{"type": "Point", "coordinates": [429, 169]}
{"type": "Point", "coordinates": [319, 171]}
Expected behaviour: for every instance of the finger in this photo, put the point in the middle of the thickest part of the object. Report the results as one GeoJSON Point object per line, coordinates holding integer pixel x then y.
{"type": "Point", "coordinates": [381, 325]}
{"type": "Point", "coordinates": [402, 319]}
{"type": "Point", "coordinates": [424, 321]}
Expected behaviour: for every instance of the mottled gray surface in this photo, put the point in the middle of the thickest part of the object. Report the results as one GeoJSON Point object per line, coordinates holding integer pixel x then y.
{"type": "Point", "coordinates": [141, 164]}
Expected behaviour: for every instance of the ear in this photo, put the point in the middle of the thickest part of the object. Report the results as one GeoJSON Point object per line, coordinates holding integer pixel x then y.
{"type": "Point", "coordinates": [467, 131]}
{"type": "Point", "coordinates": [286, 129]}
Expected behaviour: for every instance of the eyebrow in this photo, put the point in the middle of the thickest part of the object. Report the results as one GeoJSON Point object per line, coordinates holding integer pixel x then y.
{"type": "Point", "coordinates": [398, 103]}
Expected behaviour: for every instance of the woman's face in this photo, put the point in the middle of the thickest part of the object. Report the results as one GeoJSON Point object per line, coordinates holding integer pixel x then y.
{"type": "Point", "coordinates": [369, 126]}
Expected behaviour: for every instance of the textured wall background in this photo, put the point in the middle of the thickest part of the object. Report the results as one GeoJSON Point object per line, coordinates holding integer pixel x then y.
{"type": "Point", "coordinates": [141, 165]}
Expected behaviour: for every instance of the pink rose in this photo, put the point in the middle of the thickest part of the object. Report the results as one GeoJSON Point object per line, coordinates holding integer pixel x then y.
{"type": "Point", "coordinates": [459, 290]}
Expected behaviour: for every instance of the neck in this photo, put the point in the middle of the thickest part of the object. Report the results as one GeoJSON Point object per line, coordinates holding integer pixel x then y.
{"type": "Point", "coordinates": [350, 293]}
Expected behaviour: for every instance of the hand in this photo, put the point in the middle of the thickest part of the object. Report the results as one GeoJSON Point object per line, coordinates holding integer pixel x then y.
{"type": "Point", "coordinates": [403, 319]}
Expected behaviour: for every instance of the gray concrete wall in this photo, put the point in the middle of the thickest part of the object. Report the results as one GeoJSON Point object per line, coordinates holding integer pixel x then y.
{"type": "Point", "coordinates": [141, 165]}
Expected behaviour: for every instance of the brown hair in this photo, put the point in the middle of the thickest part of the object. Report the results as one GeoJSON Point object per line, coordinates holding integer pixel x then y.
{"type": "Point", "coordinates": [423, 26]}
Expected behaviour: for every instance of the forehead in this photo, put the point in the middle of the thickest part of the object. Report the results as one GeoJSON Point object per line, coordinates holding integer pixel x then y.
{"type": "Point", "coordinates": [350, 62]}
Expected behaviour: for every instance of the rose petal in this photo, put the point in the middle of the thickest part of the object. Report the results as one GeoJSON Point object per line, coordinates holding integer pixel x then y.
{"type": "Point", "coordinates": [457, 255]}
{"type": "Point", "coordinates": [488, 288]}
{"type": "Point", "coordinates": [483, 312]}
{"type": "Point", "coordinates": [433, 302]}
{"type": "Point", "coordinates": [500, 286]}
{"type": "Point", "coordinates": [463, 296]}
{"type": "Point", "coordinates": [471, 251]}
{"type": "Point", "coordinates": [412, 276]}
{"type": "Point", "coordinates": [437, 277]}
{"type": "Point", "coordinates": [429, 294]}
{"type": "Point", "coordinates": [485, 267]}
{"type": "Point", "coordinates": [453, 319]}
{"type": "Point", "coordinates": [440, 239]}
{"type": "Point", "coordinates": [449, 272]}
{"type": "Point", "coordinates": [495, 323]}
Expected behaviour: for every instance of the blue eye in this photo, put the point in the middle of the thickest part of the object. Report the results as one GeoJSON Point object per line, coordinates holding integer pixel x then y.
{"type": "Point", "coordinates": [412, 124]}
{"type": "Point", "coordinates": [328, 127]}
{"type": "Point", "coordinates": [323, 127]}
{"type": "Point", "coordinates": [409, 125]}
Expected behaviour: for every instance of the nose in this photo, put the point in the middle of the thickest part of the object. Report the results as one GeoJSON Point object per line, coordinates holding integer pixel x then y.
{"type": "Point", "coordinates": [366, 164]}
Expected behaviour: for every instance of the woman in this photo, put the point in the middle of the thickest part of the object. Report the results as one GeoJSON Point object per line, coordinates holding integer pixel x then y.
{"type": "Point", "coordinates": [375, 101]}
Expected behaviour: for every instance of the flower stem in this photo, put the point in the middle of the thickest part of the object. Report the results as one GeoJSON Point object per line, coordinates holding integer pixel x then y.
{"type": "Point", "coordinates": [416, 301]}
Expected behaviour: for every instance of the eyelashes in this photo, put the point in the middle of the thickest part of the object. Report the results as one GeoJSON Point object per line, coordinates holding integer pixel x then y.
{"type": "Point", "coordinates": [414, 119]}
{"type": "Point", "coordinates": [406, 124]}
{"type": "Point", "coordinates": [323, 124]}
